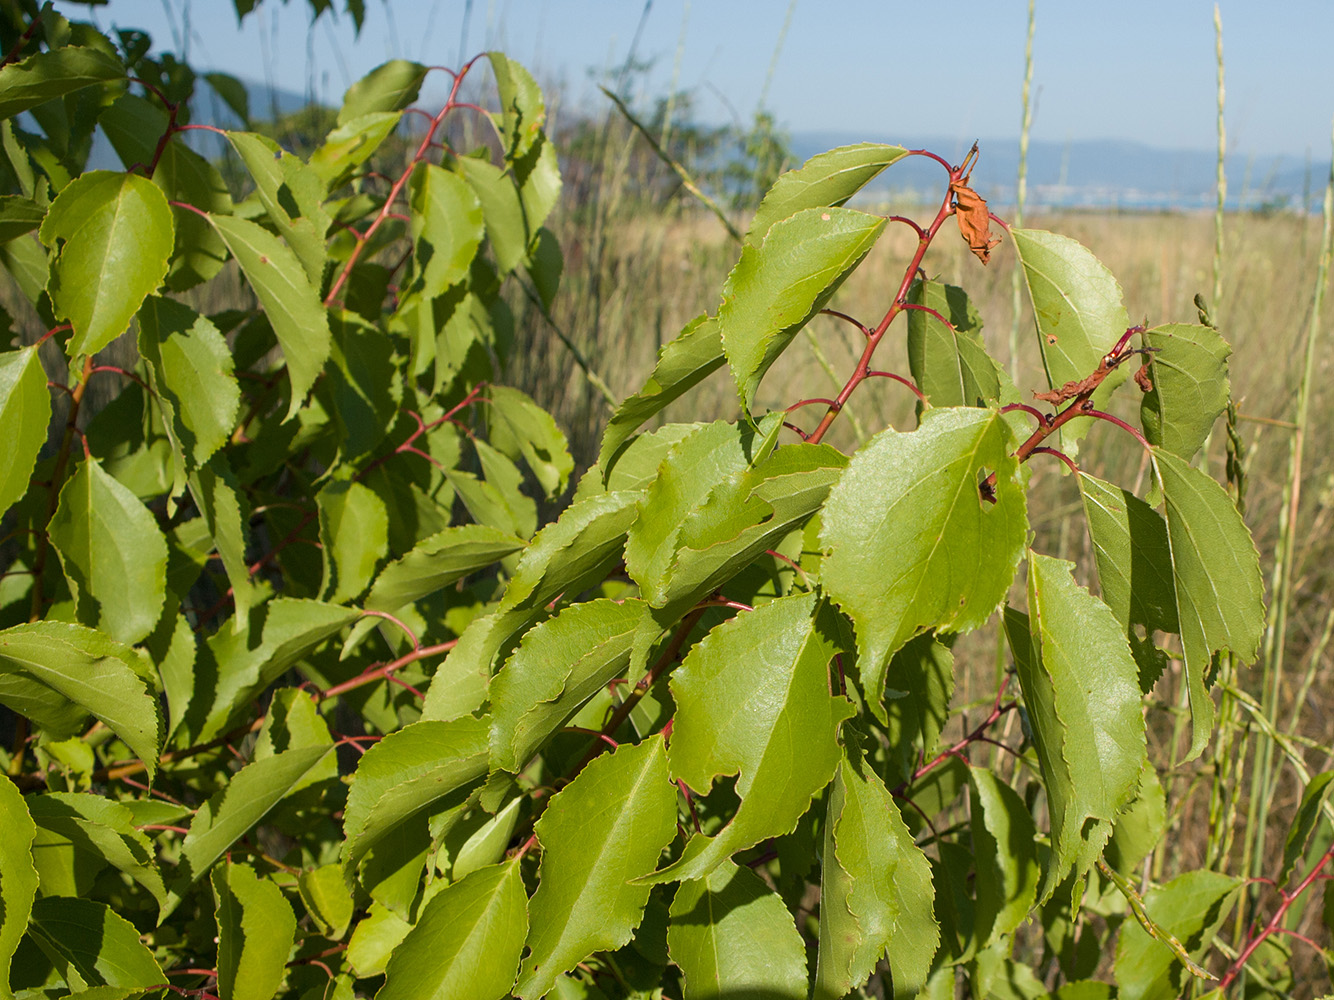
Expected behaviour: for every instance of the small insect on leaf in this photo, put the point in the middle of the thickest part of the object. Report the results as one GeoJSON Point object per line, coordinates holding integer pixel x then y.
{"type": "Point", "coordinates": [972, 213]}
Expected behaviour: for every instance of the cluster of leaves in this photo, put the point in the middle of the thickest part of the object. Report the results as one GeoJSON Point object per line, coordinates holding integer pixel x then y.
{"type": "Point", "coordinates": [306, 701]}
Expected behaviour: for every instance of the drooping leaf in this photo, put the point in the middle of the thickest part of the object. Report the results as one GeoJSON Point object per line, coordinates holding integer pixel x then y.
{"type": "Point", "coordinates": [514, 203]}
{"type": "Point", "coordinates": [1315, 793]}
{"type": "Point", "coordinates": [233, 94]}
{"type": "Point", "coordinates": [118, 233]}
{"type": "Point", "coordinates": [1190, 386]}
{"type": "Point", "coordinates": [18, 216]}
{"type": "Point", "coordinates": [391, 86]}
{"type": "Point", "coordinates": [732, 936]}
{"type": "Point", "coordinates": [350, 145]}
{"type": "Point", "coordinates": [1133, 556]}
{"type": "Point", "coordinates": [256, 928]}
{"type": "Point", "coordinates": [113, 553]}
{"type": "Point", "coordinates": [362, 383]}
{"type": "Point", "coordinates": [18, 877]}
{"type": "Point", "coordinates": [446, 225]}
{"type": "Point", "coordinates": [237, 666]}
{"type": "Point", "coordinates": [1082, 697]}
{"type": "Point", "coordinates": [291, 302]}
{"type": "Point", "coordinates": [753, 699]}
{"type": "Point", "coordinates": [825, 180]}
{"type": "Point", "coordinates": [522, 110]}
{"type": "Point", "coordinates": [133, 124]}
{"type": "Point", "coordinates": [951, 366]}
{"type": "Point", "coordinates": [546, 263]}
{"type": "Point", "coordinates": [519, 427]}
{"type": "Point", "coordinates": [606, 827]}
{"type": "Point", "coordinates": [190, 371]}
{"type": "Point", "coordinates": [1004, 842]}
{"type": "Point", "coordinates": [419, 766]}
{"type": "Point", "coordinates": [91, 945]}
{"type": "Point", "coordinates": [1140, 826]}
{"type": "Point", "coordinates": [682, 364]}
{"type": "Point", "coordinates": [292, 193]}
{"type": "Point", "coordinates": [354, 531]}
{"type": "Point", "coordinates": [226, 515]}
{"type": "Point", "coordinates": [777, 287]}
{"type": "Point", "coordinates": [876, 894]}
{"type": "Point", "coordinates": [57, 674]}
{"type": "Point", "coordinates": [231, 812]}
{"type": "Point", "coordinates": [913, 544]}
{"type": "Point", "coordinates": [1079, 313]}
{"type": "Point", "coordinates": [466, 943]}
{"type": "Point", "coordinates": [327, 899]}
{"type": "Point", "coordinates": [44, 76]}
{"type": "Point", "coordinates": [567, 556]}
{"type": "Point", "coordinates": [25, 413]}
{"type": "Point", "coordinates": [1191, 908]}
{"type": "Point", "coordinates": [918, 701]}
{"type": "Point", "coordinates": [558, 666]}
{"type": "Point", "coordinates": [1216, 570]}
{"type": "Point", "coordinates": [101, 832]}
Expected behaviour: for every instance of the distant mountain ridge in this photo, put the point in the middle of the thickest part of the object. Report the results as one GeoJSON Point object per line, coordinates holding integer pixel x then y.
{"type": "Point", "coordinates": [1098, 173]}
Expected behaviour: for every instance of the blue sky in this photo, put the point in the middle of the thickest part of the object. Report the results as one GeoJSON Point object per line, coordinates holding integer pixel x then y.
{"type": "Point", "coordinates": [1120, 69]}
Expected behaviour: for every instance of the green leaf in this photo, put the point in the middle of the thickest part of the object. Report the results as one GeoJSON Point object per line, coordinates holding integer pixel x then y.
{"type": "Point", "coordinates": [753, 699]}
{"type": "Point", "coordinates": [350, 145]}
{"type": "Point", "coordinates": [113, 553]}
{"type": "Point", "coordinates": [190, 372]}
{"type": "Point", "coordinates": [232, 811]}
{"type": "Point", "coordinates": [326, 898]}
{"type": "Point", "coordinates": [421, 765]}
{"type": "Point", "coordinates": [683, 363]}
{"type": "Point", "coordinates": [558, 666]}
{"type": "Point", "coordinates": [744, 516]}
{"type": "Point", "coordinates": [466, 943]}
{"type": "Point", "coordinates": [290, 300]}
{"type": "Point", "coordinates": [256, 928]}
{"type": "Point", "coordinates": [354, 531]}
{"type": "Point", "coordinates": [226, 515]}
{"type": "Point", "coordinates": [18, 877]}
{"type": "Point", "coordinates": [911, 542]}
{"type": "Point", "coordinates": [514, 203]}
{"type": "Point", "coordinates": [1078, 309]}
{"type": "Point", "coordinates": [545, 266]}
{"type": "Point", "coordinates": [438, 561]}
{"type": "Point", "coordinates": [732, 936]}
{"type": "Point", "coordinates": [57, 674]}
{"type": "Point", "coordinates": [286, 185]}
{"type": "Point", "coordinates": [243, 664]}
{"type": "Point", "coordinates": [519, 427]}
{"type": "Point", "coordinates": [90, 945]}
{"type": "Point", "coordinates": [568, 556]}
{"type": "Point", "coordinates": [1140, 826]}
{"type": "Point", "coordinates": [25, 413]}
{"type": "Point", "coordinates": [293, 720]}
{"type": "Point", "coordinates": [117, 232]}
{"type": "Point", "coordinates": [1191, 908]}
{"type": "Point", "coordinates": [523, 112]}
{"type": "Point", "coordinates": [825, 180]}
{"type": "Point", "coordinates": [18, 216]}
{"type": "Point", "coordinates": [363, 384]}
{"type": "Point", "coordinates": [446, 225]}
{"type": "Point", "coordinates": [1303, 823]}
{"type": "Point", "coordinates": [606, 827]}
{"type": "Point", "coordinates": [876, 893]}
{"type": "Point", "coordinates": [133, 125]}
{"type": "Point", "coordinates": [1133, 555]}
{"type": "Point", "coordinates": [777, 287]}
{"type": "Point", "coordinates": [45, 76]}
{"type": "Point", "coordinates": [101, 831]}
{"type": "Point", "coordinates": [1219, 590]}
{"type": "Point", "coordinates": [918, 704]}
{"type": "Point", "coordinates": [233, 94]}
{"type": "Point", "coordinates": [391, 86]}
{"type": "Point", "coordinates": [1082, 696]}
{"type": "Point", "coordinates": [951, 366]}
{"type": "Point", "coordinates": [1004, 843]}
{"type": "Point", "coordinates": [1190, 386]}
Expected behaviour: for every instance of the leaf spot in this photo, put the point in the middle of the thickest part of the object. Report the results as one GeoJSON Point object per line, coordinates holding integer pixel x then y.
{"type": "Point", "coordinates": [824, 216]}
